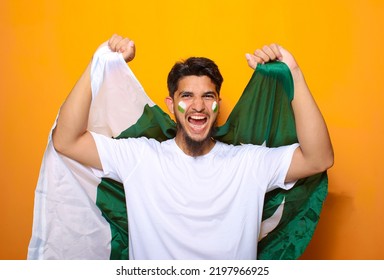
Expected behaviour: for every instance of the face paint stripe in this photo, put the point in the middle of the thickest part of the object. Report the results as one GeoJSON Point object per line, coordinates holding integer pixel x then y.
{"type": "Point", "coordinates": [214, 106]}
{"type": "Point", "coordinates": [181, 107]}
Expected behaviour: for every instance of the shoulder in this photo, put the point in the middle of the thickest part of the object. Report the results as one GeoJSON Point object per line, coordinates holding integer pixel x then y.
{"type": "Point", "coordinates": [241, 147]}
{"type": "Point", "coordinates": [133, 143]}
{"type": "Point", "coordinates": [253, 150]}
{"type": "Point", "coordinates": [238, 150]}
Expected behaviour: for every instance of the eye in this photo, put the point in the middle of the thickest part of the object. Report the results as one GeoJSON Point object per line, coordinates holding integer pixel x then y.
{"type": "Point", "coordinates": [185, 94]}
{"type": "Point", "coordinates": [209, 96]}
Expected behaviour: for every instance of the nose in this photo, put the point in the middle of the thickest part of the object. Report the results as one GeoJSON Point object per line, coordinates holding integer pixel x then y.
{"type": "Point", "coordinates": [198, 104]}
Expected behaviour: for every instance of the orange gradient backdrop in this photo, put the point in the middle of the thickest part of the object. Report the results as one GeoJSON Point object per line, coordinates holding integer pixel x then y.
{"type": "Point", "coordinates": [45, 45]}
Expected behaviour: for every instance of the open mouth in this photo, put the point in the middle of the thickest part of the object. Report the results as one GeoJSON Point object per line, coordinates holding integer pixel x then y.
{"type": "Point", "coordinates": [197, 120]}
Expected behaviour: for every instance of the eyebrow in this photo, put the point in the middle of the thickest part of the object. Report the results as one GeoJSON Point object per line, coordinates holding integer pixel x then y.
{"type": "Point", "coordinates": [190, 92]}
{"type": "Point", "coordinates": [214, 93]}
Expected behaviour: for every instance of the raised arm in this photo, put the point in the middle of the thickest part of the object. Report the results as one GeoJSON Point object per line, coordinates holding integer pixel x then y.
{"type": "Point", "coordinates": [315, 153]}
{"type": "Point", "coordinates": [70, 136]}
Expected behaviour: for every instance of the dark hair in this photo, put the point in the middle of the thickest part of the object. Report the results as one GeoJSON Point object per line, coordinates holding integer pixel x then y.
{"type": "Point", "coordinates": [193, 66]}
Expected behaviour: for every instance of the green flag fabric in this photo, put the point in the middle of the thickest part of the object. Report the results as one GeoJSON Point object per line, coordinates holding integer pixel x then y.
{"type": "Point", "coordinates": [78, 215]}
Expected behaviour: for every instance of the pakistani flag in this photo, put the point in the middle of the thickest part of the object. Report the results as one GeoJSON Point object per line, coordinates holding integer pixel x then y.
{"type": "Point", "coordinates": [80, 216]}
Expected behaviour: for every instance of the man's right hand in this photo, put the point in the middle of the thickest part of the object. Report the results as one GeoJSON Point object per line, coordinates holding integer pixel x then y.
{"type": "Point", "coordinates": [123, 45]}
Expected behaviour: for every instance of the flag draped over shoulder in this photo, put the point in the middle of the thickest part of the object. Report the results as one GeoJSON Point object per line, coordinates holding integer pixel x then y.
{"type": "Point", "coordinates": [264, 116]}
{"type": "Point", "coordinates": [80, 216]}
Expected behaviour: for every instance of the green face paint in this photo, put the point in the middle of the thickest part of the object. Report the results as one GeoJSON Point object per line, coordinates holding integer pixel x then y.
{"type": "Point", "coordinates": [214, 106]}
{"type": "Point", "coordinates": [181, 107]}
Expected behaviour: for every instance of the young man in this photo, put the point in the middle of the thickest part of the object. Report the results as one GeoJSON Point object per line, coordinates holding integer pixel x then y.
{"type": "Point", "coordinates": [204, 198]}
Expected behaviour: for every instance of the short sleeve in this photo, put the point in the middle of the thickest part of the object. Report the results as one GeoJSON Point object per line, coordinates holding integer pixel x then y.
{"type": "Point", "coordinates": [276, 164]}
{"type": "Point", "coordinates": [118, 156]}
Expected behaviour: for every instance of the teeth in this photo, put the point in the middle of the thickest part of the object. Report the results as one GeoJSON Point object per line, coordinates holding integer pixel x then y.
{"type": "Point", "coordinates": [197, 117]}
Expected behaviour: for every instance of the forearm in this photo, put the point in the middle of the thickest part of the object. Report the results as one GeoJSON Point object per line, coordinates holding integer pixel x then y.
{"type": "Point", "coordinates": [311, 128]}
{"type": "Point", "coordinates": [73, 117]}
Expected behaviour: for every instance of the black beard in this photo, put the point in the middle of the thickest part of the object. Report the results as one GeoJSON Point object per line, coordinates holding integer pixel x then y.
{"type": "Point", "coordinates": [196, 148]}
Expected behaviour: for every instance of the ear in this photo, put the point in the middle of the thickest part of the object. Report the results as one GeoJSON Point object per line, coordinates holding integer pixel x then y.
{"type": "Point", "coordinates": [169, 103]}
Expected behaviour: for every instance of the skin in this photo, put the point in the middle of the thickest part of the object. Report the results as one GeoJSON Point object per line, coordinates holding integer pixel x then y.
{"type": "Point", "coordinates": [198, 94]}
{"type": "Point", "coordinates": [314, 155]}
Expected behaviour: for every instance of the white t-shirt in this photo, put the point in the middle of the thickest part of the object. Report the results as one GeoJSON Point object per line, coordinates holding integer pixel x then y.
{"type": "Point", "coordinates": [183, 207]}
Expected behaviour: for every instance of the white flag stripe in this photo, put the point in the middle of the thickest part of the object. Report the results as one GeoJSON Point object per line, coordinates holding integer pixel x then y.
{"type": "Point", "coordinates": [67, 223]}
{"type": "Point", "coordinates": [119, 100]}
{"type": "Point", "coordinates": [271, 223]}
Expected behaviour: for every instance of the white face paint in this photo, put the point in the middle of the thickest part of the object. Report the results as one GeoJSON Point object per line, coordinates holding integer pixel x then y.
{"type": "Point", "coordinates": [214, 106]}
{"type": "Point", "coordinates": [181, 107]}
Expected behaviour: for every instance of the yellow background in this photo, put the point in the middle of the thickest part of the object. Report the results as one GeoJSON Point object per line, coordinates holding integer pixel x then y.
{"type": "Point", "coordinates": [45, 46]}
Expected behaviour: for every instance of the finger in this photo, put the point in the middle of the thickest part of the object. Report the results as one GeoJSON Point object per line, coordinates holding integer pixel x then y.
{"type": "Point", "coordinates": [122, 45]}
{"type": "Point", "coordinates": [269, 52]}
{"type": "Point", "coordinates": [253, 60]}
{"type": "Point", "coordinates": [276, 49]}
{"type": "Point", "coordinates": [261, 55]}
{"type": "Point", "coordinates": [113, 41]}
{"type": "Point", "coordinates": [130, 53]}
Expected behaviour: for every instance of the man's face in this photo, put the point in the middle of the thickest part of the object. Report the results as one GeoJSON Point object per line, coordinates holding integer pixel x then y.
{"type": "Point", "coordinates": [195, 106]}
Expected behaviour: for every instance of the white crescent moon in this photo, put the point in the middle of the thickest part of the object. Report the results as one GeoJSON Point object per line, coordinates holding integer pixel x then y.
{"type": "Point", "coordinates": [271, 223]}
